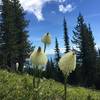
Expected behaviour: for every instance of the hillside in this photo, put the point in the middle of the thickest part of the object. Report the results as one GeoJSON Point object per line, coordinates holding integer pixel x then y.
{"type": "Point", "coordinates": [19, 87]}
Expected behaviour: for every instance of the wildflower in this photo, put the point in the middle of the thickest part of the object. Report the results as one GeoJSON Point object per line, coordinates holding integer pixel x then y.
{"type": "Point", "coordinates": [46, 39]}
{"type": "Point", "coordinates": [41, 93]}
{"type": "Point", "coordinates": [38, 57]}
{"type": "Point", "coordinates": [68, 62]}
{"type": "Point", "coordinates": [17, 65]}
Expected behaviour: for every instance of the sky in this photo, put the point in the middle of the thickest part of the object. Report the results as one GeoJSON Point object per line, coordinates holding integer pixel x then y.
{"type": "Point", "coordinates": [47, 16]}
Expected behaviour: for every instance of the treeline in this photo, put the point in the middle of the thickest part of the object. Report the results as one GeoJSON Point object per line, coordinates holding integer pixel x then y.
{"type": "Point", "coordinates": [14, 43]}
{"type": "Point", "coordinates": [87, 72]}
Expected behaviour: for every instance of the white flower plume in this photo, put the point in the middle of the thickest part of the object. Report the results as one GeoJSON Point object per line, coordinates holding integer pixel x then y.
{"type": "Point", "coordinates": [67, 63]}
{"type": "Point", "coordinates": [38, 57]}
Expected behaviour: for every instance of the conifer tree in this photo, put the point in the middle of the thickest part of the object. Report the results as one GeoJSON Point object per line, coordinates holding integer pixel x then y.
{"type": "Point", "coordinates": [57, 53]}
{"type": "Point", "coordinates": [0, 26]}
{"type": "Point", "coordinates": [97, 74]}
{"type": "Point", "coordinates": [99, 52]}
{"type": "Point", "coordinates": [77, 41]}
{"type": "Point", "coordinates": [48, 70]}
{"type": "Point", "coordinates": [9, 34]}
{"type": "Point", "coordinates": [58, 72]}
{"type": "Point", "coordinates": [1, 35]}
{"type": "Point", "coordinates": [52, 69]}
{"type": "Point", "coordinates": [52, 63]}
{"type": "Point", "coordinates": [21, 34]}
{"type": "Point", "coordinates": [83, 38]}
{"type": "Point", "coordinates": [89, 57]}
{"type": "Point", "coordinates": [15, 36]}
{"type": "Point", "coordinates": [66, 38]}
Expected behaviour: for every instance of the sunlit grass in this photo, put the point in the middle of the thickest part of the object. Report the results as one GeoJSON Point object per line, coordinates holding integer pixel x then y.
{"type": "Point", "coordinates": [19, 87]}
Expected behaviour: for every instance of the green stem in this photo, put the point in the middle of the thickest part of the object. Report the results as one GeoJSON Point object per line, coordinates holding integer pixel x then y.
{"type": "Point", "coordinates": [65, 87]}
{"type": "Point", "coordinates": [39, 75]}
{"type": "Point", "coordinates": [34, 79]}
{"type": "Point", "coordinates": [44, 47]}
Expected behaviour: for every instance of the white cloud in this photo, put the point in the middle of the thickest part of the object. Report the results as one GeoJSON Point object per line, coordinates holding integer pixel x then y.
{"type": "Point", "coordinates": [65, 8]}
{"type": "Point", "coordinates": [62, 1]}
{"type": "Point", "coordinates": [36, 7]}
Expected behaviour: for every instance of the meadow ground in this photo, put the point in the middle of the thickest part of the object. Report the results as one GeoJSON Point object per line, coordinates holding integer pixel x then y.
{"type": "Point", "coordinates": [19, 87]}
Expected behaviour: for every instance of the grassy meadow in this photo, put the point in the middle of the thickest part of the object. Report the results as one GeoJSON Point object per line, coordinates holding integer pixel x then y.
{"type": "Point", "coordinates": [19, 87]}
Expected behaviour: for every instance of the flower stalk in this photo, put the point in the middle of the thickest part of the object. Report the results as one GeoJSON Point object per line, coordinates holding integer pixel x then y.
{"type": "Point", "coordinates": [67, 64]}
{"type": "Point", "coordinates": [39, 59]}
{"type": "Point", "coordinates": [65, 87]}
{"type": "Point", "coordinates": [44, 47]}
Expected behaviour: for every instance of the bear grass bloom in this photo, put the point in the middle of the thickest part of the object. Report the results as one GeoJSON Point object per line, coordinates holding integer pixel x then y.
{"type": "Point", "coordinates": [38, 57]}
{"type": "Point", "coordinates": [46, 39]}
{"type": "Point", "coordinates": [17, 65]}
{"type": "Point", "coordinates": [67, 63]}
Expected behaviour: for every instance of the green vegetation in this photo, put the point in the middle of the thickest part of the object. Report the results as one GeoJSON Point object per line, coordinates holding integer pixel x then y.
{"type": "Point", "coordinates": [15, 45]}
{"type": "Point", "coordinates": [19, 87]}
{"type": "Point", "coordinates": [86, 55]}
